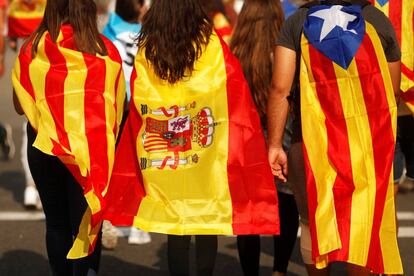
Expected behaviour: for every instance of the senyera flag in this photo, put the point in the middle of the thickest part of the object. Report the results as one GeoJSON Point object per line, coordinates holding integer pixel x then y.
{"type": "Point", "coordinates": [192, 157]}
{"type": "Point", "coordinates": [24, 17]}
{"type": "Point", "coordinates": [401, 14]}
{"type": "Point", "coordinates": [74, 101]}
{"type": "Point", "coordinates": [349, 124]}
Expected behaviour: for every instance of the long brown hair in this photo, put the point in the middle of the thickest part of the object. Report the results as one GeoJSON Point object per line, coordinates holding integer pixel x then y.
{"type": "Point", "coordinates": [81, 15]}
{"type": "Point", "coordinates": [253, 42]}
{"type": "Point", "coordinates": [173, 34]}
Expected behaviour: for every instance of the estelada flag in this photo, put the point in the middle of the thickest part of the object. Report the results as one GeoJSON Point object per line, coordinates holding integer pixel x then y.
{"type": "Point", "coordinates": [192, 157]}
{"type": "Point", "coordinates": [74, 101]}
{"type": "Point", "coordinates": [348, 113]}
{"type": "Point", "coordinates": [401, 15]}
{"type": "Point", "coordinates": [24, 17]}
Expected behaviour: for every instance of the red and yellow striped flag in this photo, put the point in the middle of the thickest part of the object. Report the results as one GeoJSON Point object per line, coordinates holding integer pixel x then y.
{"type": "Point", "coordinates": [24, 17]}
{"type": "Point", "coordinates": [349, 125]}
{"type": "Point", "coordinates": [192, 158]}
{"type": "Point", "coordinates": [74, 101]}
{"type": "Point", "coordinates": [401, 14]}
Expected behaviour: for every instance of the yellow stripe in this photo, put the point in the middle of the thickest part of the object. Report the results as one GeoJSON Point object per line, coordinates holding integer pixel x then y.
{"type": "Point", "coordinates": [362, 160]}
{"type": "Point", "coordinates": [384, 9]}
{"type": "Point", "coordinates": [388, 235]}
{"type": "Point", "coordinates": [376, 42]}
{"type": "Point", "coordinates": [38, 70]}
{"type": "Point", "coordinates": [407, 42]}
{"type": "Point", "coordinates": [75, 121]}
{"type": "Point", "coordinates": [316, 142]}
{"type": "Point", "coordinates": [16, 12]}
{"type": "Point", "coordinates": [181, 201]}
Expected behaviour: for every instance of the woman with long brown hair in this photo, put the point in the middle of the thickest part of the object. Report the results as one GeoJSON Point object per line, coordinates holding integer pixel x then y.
{"type": "Point", "coordinates": [253, 42]}
{"type": "Point", "coordinates": [192, 158]}
{"type": "Point", "coordinates": [68, 82]}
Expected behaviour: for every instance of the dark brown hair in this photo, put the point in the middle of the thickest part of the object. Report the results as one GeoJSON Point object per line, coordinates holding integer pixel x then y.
{"type": "Point", "coordinates": [253, 42]}
{"type": "Point", "coordinates": [127, 9]}
{"type": "Point", "coordinates": [81, 15]}
{"type": "Point", "coordinates": [173, 34]}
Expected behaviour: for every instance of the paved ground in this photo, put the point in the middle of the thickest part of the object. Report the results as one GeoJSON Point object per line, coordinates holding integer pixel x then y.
{"type": "Point", "coordinates": [22, 246]}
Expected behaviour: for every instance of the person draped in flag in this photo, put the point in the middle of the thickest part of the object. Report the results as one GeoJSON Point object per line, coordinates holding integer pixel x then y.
{"type": "Point", "coordinates": [123, 27]}
{"type": "Point", "coordinates": [68, 81]}
{"type": "Point", "coordinates": [340, 62]}
{"type": "Point", "coordinates": [401, 14]}
{"type": "Point", "coordinates": [192, 156]}
{"type": "Point", "coordinates": [253, 41]}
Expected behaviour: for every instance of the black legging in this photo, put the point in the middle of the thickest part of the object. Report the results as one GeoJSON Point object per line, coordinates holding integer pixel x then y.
{"type": "Point", "coordinates": [249, 245]}
{"type": "Point", "coordinates": [179, 254]}
{"type": "Point", "coordinates": [64, 205]}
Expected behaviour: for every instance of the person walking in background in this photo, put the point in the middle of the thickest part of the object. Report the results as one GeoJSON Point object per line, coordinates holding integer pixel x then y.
{"type": "Point", "coordinates": [340, 61]}
{"type": "Point", "coordinates": [23, 19]}
{"type": "Point", "coordinates": [217, 13]}
{"type": "Point", "coordinates": [73, 101]}
{"type": "Point", "coordinates": [192, 156]}
{"type": "Point", "coordinates": [6, 136]}
{"type": "Point", "coordinates": [122, 29]}
{"type": "Point", "coordinates": [253, 43]}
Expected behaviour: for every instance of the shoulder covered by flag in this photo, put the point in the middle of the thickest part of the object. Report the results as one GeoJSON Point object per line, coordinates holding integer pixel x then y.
{"type": "Point", "coordinates": [74, 101]}
{"type": "Point", "coordinates": [348, 115]}
{"type": "Point", "coordinates": [192, 158]}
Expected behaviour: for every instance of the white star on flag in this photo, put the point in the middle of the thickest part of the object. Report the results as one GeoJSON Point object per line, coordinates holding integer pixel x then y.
{"type": "Point", "coordinates": [333, 17]}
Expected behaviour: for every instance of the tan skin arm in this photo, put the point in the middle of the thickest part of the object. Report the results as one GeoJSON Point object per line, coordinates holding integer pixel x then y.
{"type": "Point", "coordinates": [17, 107]}
{"type": "Point", "coordinates": [395, 72]}
{"type": "Point", "coordinates": [2, 19]}
{"type": "Point", "coordinates": [278, 107]}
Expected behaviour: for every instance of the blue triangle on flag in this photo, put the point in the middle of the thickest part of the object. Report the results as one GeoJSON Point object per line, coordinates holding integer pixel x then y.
{"type": "Point", "coordinates": [336, 31]}
{"type": "Point", "coordinates": [382, 2]}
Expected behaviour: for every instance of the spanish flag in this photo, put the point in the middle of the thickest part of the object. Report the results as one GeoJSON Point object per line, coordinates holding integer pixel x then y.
{"type": "Point", "coordinates": [24, 17]}
{"type": "Point", "coordinates": [74, 101]}
{"type": "Point", "coordinates": [349, 125]}
{"type": "Point", "coordinates": [192, 158]}
{"type": "Point", "coordinates": [401, 14]}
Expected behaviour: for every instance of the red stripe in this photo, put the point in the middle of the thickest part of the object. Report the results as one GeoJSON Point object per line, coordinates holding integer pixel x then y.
{"type": "Point", "coordinates": [123, 207]}
{"type": "Point", "coordinates": [338, 146]}
{"type": "Point", "coordinates": [408, 96]}
{"type": "Point", "coordinates": [312, 202]}
{"type": "Point", "coordinates": [25, 59]}
{"type": "Point", "coordinates": [55, 89]}
{"type": "Point", "coordinates": [382, 140]}
{"type": "Point", "coordinates": [395, 13]}
{"type": "Point", "coordinates": [19, 27]}
{"type": "Point", "coordinates": [95, 122]}
{"type": "Point", "coordinates": [251, 184]}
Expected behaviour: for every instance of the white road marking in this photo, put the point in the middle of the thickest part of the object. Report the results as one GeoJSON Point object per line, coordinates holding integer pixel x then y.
{"type": "Point", "coordinates": [405, 215]}
{"type": "Point", "coordinates": [21, 216]}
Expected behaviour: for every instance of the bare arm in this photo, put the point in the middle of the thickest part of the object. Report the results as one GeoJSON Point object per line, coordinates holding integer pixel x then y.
{"type": "Point", "coordinates": [278, 106]}
{"type": "Point", "coordinates": [395, 72]}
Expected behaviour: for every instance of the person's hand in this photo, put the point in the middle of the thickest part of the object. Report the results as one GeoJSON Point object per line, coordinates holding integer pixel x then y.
{"type": "Point", "coordinates": [278, 163]}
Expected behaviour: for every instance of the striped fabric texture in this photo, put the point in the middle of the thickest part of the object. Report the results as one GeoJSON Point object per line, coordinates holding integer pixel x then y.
{"type": "Point", "coordinates": [74, 101]}
{"type": "Point", "coordinates": [192, 158]}
{"type": "Point", "coordinates": [24, 17]}
{"type": "Point", "coordinates": [401, 14]}
{"type": "Point", "coordinates": [349, 126]}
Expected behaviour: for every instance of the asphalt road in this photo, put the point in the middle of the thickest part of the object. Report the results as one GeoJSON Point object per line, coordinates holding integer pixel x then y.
{"type": "Point", "coordinates": [22, 244]}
